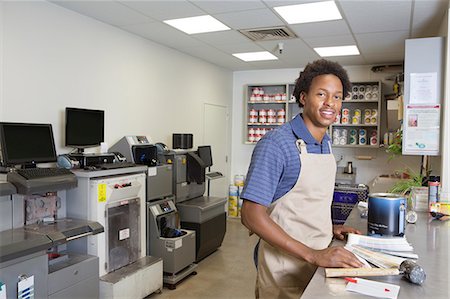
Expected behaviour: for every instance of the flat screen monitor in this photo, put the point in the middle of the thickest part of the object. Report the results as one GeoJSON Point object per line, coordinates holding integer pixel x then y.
{"type": "Point", "coordinates": [84, 127]}
{"type": "Point", "coordinates": [27, 144]}
{"type": "Point", "coordinates": [204, 152]}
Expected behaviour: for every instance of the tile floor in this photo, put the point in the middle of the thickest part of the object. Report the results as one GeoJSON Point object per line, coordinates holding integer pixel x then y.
{"type": "Point", "coordinates": [227, 273]}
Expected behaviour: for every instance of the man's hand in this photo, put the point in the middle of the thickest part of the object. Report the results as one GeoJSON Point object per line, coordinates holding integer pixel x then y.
{"type": "Point", "coordinates": [334, 257]}
{"type": "Point", "coordinates": [340, 231]}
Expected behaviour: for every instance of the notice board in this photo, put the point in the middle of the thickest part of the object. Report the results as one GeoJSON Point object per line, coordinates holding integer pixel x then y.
{"type": "Point", "coordinates": [424, 72]}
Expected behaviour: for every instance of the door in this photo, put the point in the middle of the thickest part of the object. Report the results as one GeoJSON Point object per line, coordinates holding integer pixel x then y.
{"type": "Point", "coordinates": [215, 133]}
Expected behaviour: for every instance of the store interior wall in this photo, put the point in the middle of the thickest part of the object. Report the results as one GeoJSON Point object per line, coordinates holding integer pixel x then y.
{"type": "Point", "coordinates": [367, 170]}
{"type": "Point", "coordinates": [54, 58]}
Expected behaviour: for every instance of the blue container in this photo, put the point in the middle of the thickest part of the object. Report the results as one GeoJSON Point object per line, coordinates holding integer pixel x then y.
{"type": "Point", "coordinates": [386, 214]}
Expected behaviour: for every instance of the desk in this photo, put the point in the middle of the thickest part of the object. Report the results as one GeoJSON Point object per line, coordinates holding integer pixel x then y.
{"type": "Point", "coordinates": [430, 240]}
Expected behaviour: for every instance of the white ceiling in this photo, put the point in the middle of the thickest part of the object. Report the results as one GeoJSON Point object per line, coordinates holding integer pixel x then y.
{"type": "Point", "coordinates": [379, 28]}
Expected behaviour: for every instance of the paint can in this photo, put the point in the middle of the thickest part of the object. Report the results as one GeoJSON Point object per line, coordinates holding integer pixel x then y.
{"type": "Point", "coordinates": [386, 214]}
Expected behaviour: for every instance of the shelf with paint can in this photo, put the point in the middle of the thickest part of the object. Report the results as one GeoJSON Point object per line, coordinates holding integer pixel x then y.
{"type": "Point", "coordinates": [358, 124]}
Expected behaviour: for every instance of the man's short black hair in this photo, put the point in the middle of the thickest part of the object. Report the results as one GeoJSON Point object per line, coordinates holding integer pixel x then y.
{"type": "Point", "coordinates": [317, 68]}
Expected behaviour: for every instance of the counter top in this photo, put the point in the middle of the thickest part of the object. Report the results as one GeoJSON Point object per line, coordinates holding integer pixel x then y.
{"type": "Point", "coordinates": [15, 243]}
{"type": "Point", "coordinates": [109, 172]}
{"type": "Point", "coordinates": [430, 239]}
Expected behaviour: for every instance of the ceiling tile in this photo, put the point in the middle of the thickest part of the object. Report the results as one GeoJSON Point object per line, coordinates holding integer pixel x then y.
{"type": "Point", "coordinates": [428, 17]}
{"type": "Point", "coordinates": [330, 41]}
{"type": "Point", "coordinates": [221, 37]}
{"type": "Point", "coordinates": [381, 58]}
{"type": "Point", "coordinates": [164, 34]}
{"type": "Point", "coordinates": [258, 18]}
{"type": "Point", "coordinates": [214, 56]}
{"type": "Point", "coordinates": [240, 48]}
{"type": "Point", "coordinates": [274, 3]}
{"type": "Point", "coordinates": [220, 6]}
{"type": "Point", "coordinates": [382, 42]}
{"type": "Point", "coordinates": [365, 16]}
{"type": "Point", "coordinates": [113, 13]}
{"type": "Point", "coordinates": [165, 10]}
{"type": "Point", "coordinates": [319, 29]}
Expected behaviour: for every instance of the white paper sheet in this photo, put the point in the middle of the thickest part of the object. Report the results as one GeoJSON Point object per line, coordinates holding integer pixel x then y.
{"type": "Point", "coordinates": [373, 288]}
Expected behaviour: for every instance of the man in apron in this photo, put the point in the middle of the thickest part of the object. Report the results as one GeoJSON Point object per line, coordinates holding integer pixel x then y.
{"type": "Point", "coordinates": [289, 189]}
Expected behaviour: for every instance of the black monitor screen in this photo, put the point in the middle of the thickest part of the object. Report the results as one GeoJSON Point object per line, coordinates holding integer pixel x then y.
{"type": "Point", "coordinates": [84, 127]}
{"type": "Point", "coordinates": [27, 143]}
{"type": "Point", "coordinates": [204, 152]}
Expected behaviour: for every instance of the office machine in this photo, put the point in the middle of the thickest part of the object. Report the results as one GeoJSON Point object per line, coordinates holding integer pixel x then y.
{"type": "Point", "coordinates": [27, 145]}
{"type": "Point", "coordinates": [166, 240]}
{"type": "Point", "coordinates": [139, 150]}
{"type": "Point", "coordinates": [203, 214]}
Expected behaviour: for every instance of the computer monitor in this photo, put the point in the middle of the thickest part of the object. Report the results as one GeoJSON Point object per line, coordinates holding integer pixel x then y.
{"type": "Point", "coordinates": [84, 128]}
{"type": "Point", "coordinates": [204, 152]}
{"type": "Point", "coordinates": [27, 144]}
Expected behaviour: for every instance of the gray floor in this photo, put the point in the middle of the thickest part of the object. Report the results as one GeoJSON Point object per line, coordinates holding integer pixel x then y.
{"type": "Point", "coordinates": [227, 273]}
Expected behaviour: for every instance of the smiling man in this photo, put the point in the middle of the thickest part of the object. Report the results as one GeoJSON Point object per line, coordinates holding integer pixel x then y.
{"type": "Point", "coordinates": [289, 189]}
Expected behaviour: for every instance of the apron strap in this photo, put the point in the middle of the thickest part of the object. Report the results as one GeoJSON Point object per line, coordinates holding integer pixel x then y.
{"type": "Point", "coordinates": [301, 146]}
{"type": "Point", "coordinates": [329, 146]}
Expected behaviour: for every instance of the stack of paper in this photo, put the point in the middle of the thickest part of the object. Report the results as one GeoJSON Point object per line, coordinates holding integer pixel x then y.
{"type": "Point", "coordinates": [383, 252]}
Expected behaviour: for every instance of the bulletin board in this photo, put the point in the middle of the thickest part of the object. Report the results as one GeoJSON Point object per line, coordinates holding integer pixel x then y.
{"type": "Point", "coordinates": [424, 71]}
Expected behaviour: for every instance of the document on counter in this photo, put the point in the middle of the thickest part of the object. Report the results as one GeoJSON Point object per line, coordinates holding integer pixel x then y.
{"type": "Point", "coordinates": [372, 288]}
{"type": "Point", "coordinates": [380, 243]}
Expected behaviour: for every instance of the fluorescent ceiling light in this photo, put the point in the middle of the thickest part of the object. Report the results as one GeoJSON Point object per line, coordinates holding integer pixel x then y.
{"type": "Point", "coordinates": [309, 12]}
{"type": "Point", "coordinates": [255, 56]}
{"type": "Point", "coordinates": [337, 51]}
{"type": "Point", "coordinates": [199, 24]}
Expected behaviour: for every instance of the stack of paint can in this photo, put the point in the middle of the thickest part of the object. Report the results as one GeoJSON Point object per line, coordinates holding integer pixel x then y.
{"type": "Point", "coordinates": [339, 136]}
{"type": "Point", "coordinates": [367, 116]}
{"type": "Point", "coordinates": [281, 116]}
{"type": "Point", "coordinates": [374, 117]}
{"type": "Point", "coordinates": [354, 92]}
{"type": "Point", "coordinates": [233, 201]}
{"type": "Point", "coordinates": [271, 116]}
{"type": "Point", "coordinates": [356, 118]}
{"type": "Point", "coordinates": [345, 118]}
{"type": "Point", "coordinates": [253, 116]}
{"type": "Point", "coordinates": [353, 138]}
{"type": "Point", "coordinates": [262, 116]}
{"type": "Point", "coordinates": [362, 137]}
{"type": "Point", "coordinates": [373, 137]}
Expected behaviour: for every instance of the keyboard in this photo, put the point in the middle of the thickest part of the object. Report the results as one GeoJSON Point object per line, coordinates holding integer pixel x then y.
{"type": "Point", "coordinates": [106, 166]}
{"type": "Point", "coordinates": [37, 173]}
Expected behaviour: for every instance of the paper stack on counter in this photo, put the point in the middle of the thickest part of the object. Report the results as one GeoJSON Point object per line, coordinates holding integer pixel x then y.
{"type": "Point", "coordinates": [383, 252]}
{"type": "Point", "coordinates": [372, 288]}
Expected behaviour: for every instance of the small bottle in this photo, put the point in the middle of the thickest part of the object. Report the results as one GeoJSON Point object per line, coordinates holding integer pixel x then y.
{"type": "Point", "coordinates": [433, 189]}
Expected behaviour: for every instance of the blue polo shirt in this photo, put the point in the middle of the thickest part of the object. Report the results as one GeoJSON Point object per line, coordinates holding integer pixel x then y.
{"type": "Point", "coordinates": [275, 164]}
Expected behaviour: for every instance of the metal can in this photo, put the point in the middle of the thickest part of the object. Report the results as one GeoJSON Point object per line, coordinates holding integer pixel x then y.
{"type": "Point", "coordinates": [356, 120]}
{"type": "Point", "coordinates": [345, 120]}
{"type": "Point", "coordinates": [353, 132]}
{"type": "Point", "coordinates": [336, 132]}
{"type": "Point", "coordinates": [352, 140]}
{"type": "Point", "coordinates": [433, 189]}
{"type": "Point", "coordinates": [386, 214]}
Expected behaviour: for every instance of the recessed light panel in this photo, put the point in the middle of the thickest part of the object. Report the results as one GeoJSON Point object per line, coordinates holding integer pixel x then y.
{"type": "Point", "coordinates": [198, 24]}
{"type": "Point", "coordinates": [337, 51]}
{"type": "Point", "coordinates": [255, 56]}
{"type": "Point", "coordinates": [309, 12]}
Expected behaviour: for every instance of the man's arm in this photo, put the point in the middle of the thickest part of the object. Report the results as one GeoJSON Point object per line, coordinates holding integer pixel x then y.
{"type": "Point", "coordinates": [255, 217]}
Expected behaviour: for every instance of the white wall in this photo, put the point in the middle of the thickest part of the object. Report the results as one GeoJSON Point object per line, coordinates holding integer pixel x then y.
{"type": "Point", "coordinates": [366, 169]}
{"type": "Point", "coordinates": [54, 58]}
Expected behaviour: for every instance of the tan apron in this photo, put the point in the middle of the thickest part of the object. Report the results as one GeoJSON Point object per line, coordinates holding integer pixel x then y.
{"type": "Point", "coordinates": [305, 214]}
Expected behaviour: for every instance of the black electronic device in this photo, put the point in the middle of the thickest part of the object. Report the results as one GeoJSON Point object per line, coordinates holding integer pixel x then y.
{"type": "Point", "coordinates": [182, 141]}
{"type": "Point", "coordinates": [145, 154]}
{"type": "Point", "coordinates": [87, 160]}
{"type": "Point", "coordinates": [27, 144]}
{"type": "Point", "coordinates": [204, 152]}
{"type": "Point", "coordinates": [84, 128]}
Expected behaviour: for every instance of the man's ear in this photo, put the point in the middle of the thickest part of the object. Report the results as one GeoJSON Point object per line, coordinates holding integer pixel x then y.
{"type": "Point", "coordinates": [302, 98]}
